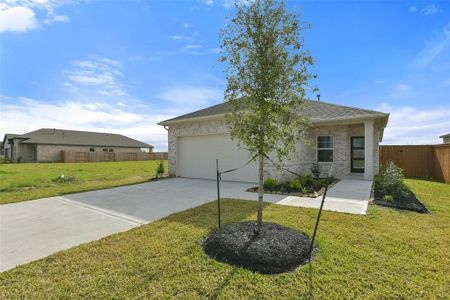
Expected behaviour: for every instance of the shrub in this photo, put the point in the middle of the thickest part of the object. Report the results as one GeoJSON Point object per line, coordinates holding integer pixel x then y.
{"type": "Point", "coordinates": [306, 180]}
{"type": "Point", "coordinates": [63, 179]}
{"type": "Point", "coordinates": [19, 159]}
{"type": "Point", "coordinates": [270, 183]}
{"type": "Point", "coordinates": [315, 170]}
{"type": "Point", "coordinates": [296, 184]}
{"type": "Point", "coordinates": [391, 180]}
{"type": "Point", "coordinates": [160, 170]}
{"type": "Point", "coordinates": [5, 160]}
{"type": "Point", "coordinates": [388, 198]}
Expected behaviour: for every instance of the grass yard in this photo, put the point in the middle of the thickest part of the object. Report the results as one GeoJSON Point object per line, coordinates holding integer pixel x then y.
{"type": "Point", "coordinates": [387, 254]}
{"type": "Point", "coordinates": [19, 182]}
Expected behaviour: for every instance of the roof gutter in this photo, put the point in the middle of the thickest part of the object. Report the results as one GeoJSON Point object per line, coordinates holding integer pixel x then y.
{"type": "Point", "coordinates": [313, 120]}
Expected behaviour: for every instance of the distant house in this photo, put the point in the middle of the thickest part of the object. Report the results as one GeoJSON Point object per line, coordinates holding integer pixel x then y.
{"type": "Point", "coordinates": [2, 149]}
{"type": "Point", "coordinates": [445, 138]}
{"type": "Point", "coordinates": [45, 145]}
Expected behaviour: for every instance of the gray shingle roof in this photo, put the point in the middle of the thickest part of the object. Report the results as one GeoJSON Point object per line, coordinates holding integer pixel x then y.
{"type": "Point", "coordinates": [445, 135]}
{"type": "Point", "coordinates": [317, 110]}
{"type": "Point", "coordinates": [73, 137]}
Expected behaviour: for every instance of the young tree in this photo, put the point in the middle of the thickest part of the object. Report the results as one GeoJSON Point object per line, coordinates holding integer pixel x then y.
{"type": "Point", "coordinates": [267, 75]}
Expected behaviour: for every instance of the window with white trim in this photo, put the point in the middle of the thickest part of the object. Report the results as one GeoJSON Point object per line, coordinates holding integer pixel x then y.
{"type": "Point", "coordinates": [325, 148]}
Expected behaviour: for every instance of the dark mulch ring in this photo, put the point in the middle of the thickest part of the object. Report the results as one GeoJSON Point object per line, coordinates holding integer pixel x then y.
{"type": "Point", "coordinates": [312, 190]}
{"type": "Point", "coordinates": [276, 249]}
{"type": "Point", "coordinates": [407, 202]}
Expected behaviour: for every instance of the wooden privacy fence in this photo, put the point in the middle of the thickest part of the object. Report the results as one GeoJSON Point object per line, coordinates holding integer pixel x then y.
{"type": "Point", "coordinates": [73, 156]}
{"type": "Point", "coordinates": [420, 161]}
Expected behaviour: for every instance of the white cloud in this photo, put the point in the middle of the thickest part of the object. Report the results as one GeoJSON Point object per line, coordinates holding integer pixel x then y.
{"type": "Point", "coordinates": [180, 37]}
{"type": "Point", "coordinates": [192, 97]}
{"type": "Point", "coordinates": [54, 19]}
{"type": "Point", "coordinates": [187, 26]}
{"type": "Point", "coordinates": [208, 2]}
{"type": "Point", "coordinates": [414, 125]}
{"type": "Point", "coordinates": [400, 91]}
{"type": "Point", "coordinates": [24, 15]}
{"type": "Point", "coordinates": [21, 115]}
{"type": "Point", "coordinates": [102, 73]}
{"type": "Point", "coordinates": [434, 48]}
{"type": "Point", "coordinates": [17, 18]}
{"type": "Point", "coordinates": [188, 47]}
{"type": "Point", "coordinates": [430, 9]}
{"type": "Point", "coordinates": [403, 87]}
{"type": "Point", "coordinates": [412, 9]}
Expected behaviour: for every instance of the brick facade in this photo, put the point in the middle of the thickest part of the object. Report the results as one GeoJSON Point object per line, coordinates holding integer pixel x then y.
{"type": "Point", "coordinates": [301, 162]}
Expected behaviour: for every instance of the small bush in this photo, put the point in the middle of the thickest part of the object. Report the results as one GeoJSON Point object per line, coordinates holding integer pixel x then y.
{"type": "Point", "coordinates": [19, 159]}
{"type": "Point", "coordinates": [391, 180]}
{"type": "Point", "coordinates": [388, 198]}
{"type": "Point", "coordinates": [306, 180]}
{"type": "Point", "coordinates": [160, 170]}
{"type": "Point", "coordinates": [5, 160]}
{"type": "Point", "coordinates": [63, 179]}
{"type": "Point", "coordinates": [315, 170]}
{"type": "Point", "coordinates": [270, 183]}
{"type": "Point", "coordinates": [296, 184]}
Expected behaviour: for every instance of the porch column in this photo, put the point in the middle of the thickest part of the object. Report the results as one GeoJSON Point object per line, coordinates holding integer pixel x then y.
{"type": "Point", "coordinates": [368, 150]}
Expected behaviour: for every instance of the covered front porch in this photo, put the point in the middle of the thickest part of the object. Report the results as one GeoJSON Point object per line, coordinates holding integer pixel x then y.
{"type": "Point", "coordinates": [351, 148]}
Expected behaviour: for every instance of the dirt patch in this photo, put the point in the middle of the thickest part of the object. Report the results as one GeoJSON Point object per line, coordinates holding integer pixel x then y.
{"type": "Point", "coordinates": [276, 249]}
{"type": "Point", "coordinates": [406, 201]}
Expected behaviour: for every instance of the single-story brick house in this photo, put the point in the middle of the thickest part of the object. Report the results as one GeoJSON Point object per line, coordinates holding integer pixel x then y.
{"type": "Point", "coordinates": [46, 144]}
{"type": "Point", "coordinates": [445, 138]}
{"type": "Point", "coordinates": [347, 137]}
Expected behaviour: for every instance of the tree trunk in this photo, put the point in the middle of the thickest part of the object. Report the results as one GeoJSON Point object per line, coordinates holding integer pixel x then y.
{"type": "Point", "coordinates": [260, 193]}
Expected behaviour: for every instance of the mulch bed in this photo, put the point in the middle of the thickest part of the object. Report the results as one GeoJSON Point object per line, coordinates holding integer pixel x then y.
{"type": "Point", "coordinates": [276, 249]}
{"type": "Point", "coordinates": [406, 202]}
{"type": "Point", "coordinates": [316, 189]}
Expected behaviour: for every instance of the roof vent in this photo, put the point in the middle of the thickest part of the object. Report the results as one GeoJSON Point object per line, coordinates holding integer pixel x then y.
{"type": "Point", "coordinates": [318, 97]}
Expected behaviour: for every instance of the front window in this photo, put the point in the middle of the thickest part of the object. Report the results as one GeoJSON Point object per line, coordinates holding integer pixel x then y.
{"type": "Point", "coordinates": [325, 148]}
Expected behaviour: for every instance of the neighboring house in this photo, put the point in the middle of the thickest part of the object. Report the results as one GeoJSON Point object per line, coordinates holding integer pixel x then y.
{"type": "Point", "coordinates": [445, 138]}
{"type": "Point", "coordinates": [45, 145]}
{"type": "Point", "coordinates": [345, 136]}
{"type": "Point", "coordinates": [2, 149]}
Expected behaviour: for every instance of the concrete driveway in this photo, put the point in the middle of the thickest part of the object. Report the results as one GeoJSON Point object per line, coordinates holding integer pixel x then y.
{"type": "Point", "coordinates": [34, 229]}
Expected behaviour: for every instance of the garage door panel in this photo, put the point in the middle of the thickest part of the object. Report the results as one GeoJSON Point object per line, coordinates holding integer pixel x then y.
{"type": "Point", "coordinates": [197, 158]}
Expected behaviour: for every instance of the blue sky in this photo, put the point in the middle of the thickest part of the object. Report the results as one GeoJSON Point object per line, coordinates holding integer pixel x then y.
{"type": "Point", "coordinates": [122, 66]}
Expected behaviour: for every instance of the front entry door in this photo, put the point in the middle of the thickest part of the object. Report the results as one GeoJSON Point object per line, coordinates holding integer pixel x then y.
{"type": "Point", "coordinates": [357, 154]}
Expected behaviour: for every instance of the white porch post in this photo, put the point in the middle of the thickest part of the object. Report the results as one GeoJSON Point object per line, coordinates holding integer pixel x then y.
{"type": "Point", "coordinates": [368, 150]}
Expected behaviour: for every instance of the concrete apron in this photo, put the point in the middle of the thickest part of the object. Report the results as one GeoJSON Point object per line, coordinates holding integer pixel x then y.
{"type": "Point", "coordinates": [349, 195]}
{"type": "Point", "coordinates": [34, 229]}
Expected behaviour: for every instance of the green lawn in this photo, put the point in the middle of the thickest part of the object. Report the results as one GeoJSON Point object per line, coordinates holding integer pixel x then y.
{"type": "Point", "coordinates": [387, 254]}
{"type": "Point", "coordinates": [19, 182]}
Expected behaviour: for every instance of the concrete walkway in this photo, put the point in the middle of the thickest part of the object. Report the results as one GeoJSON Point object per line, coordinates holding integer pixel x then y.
{"type": "Point", "coordinates": [349, 195]}
{"type": "Point", "coordinates": [34, 229]}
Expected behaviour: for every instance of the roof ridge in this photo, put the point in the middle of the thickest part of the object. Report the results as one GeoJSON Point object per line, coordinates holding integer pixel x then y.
{"type": "Point", "coordinates": [61, 129]}
{"type": "Point", "coordinates": [346, 106]}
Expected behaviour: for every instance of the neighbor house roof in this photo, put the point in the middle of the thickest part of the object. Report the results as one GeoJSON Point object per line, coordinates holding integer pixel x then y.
{"type": "Point", "coordinates": [73, 137]}
{"type": "Point", "coordinates": [10, 136]}
{"type": "Point", "coordinates": [445, 135]}
{"type": "Point", "coordinates": [317, 110]}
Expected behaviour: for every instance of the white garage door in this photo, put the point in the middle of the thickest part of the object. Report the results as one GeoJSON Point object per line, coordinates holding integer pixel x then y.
{"type": "Point", "coordinates": [197, 158]}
